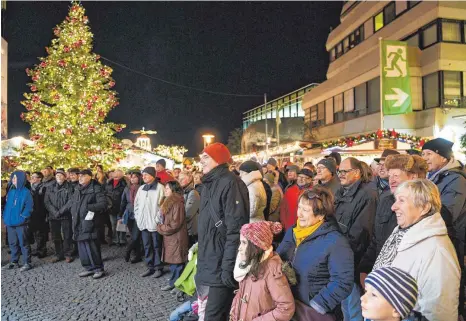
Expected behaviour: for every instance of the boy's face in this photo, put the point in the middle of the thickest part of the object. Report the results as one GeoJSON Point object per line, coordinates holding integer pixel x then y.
{"type": "Point", "coordinates": [375, 307]}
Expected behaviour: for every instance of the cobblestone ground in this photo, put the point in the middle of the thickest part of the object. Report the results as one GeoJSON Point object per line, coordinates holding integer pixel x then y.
{"type": "Point", "coordinates": [53, 291]}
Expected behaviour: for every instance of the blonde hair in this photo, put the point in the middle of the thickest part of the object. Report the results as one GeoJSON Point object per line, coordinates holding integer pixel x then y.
{"type": "Point", "coordinates": [422, 192]}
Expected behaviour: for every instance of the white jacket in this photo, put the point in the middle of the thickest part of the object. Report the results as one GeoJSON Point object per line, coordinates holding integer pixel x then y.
{"type": "Point", "coordinates": [257, 196]}
{"type": "Point", "coordinates": [427, 254]}
{"type": "Point", "coordinates": [146, 206]}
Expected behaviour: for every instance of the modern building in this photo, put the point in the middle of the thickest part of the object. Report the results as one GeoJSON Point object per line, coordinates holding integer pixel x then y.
{"type": "Point", "coordinates": [284, 117]}
{"type": "Point", "coordinates": [4, 90]}
{"type": "Point", "coordinates": [348, 102]}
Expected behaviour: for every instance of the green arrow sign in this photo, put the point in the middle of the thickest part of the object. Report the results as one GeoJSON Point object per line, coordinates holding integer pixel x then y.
{"type": "Point", "coordinates": [396, 89]}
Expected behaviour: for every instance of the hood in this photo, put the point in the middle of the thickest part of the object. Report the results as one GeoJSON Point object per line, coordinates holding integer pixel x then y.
{"type": "Point", "coordinates": [452, 164]}
{"type": "Point", "coordinates": [20, 179]}
{"type": "Point", "coordinates": [430, 226]}
{"type": "Point", "coordinates": [251, 177]}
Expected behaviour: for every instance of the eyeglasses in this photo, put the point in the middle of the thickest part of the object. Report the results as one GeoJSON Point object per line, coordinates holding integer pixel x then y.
{"type": "Point", "coordinates": [344, 172]}
{"type": "Point", "coordinates": [311, 195]}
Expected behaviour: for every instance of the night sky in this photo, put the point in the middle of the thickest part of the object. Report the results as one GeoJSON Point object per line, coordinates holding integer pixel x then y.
{"type": "Point", "coordinates": [232, 47]}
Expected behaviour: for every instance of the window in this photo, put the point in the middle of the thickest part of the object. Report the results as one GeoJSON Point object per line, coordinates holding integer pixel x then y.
{"type": "Point", "coordinates": [329, 111]}
{"type": "Point", "coordinates": [321, 111]}
{"type": "Point", "coordinates": [339, 50]}
{"type": "Point", "coordinates": [378, 22]}
{"type": "Point", "coordinates": [338, 108]}
{"type": "Point", "coordinates": [360, 93]}
{"type": "Point", "coordinates": [349, 100]}
{"type": "Point", "coordinates": [430, 90]}
{"type": "Point", "coordinates": [373, 94]}
{"type": "Point", "coordinates": [412, 3]}
{"type": "Point", "coordinates": [451, 88]}
{"type": "Point", "coordinates": [300, 110]}
{"type": "Point", "coordinates": [286, 111]}
{"type": "Point", "coordinates": [313, 113]}
{"type": "Point", "coordinates": [451, 31]}
{"type": "Point", "coordinates": [429, 35]}
{"type": "Point", "coordinates": [413, 40]}
{"type": "Point", "coordinates": [346, 44]}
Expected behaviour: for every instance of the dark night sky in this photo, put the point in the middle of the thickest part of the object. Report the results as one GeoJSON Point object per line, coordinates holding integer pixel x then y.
{"type": "Point", "coordinates": [233, 47]}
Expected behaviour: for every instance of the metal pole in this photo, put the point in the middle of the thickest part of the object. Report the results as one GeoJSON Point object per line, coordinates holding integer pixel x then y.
{"type": "Point", "coordinates": [381, 89]}
{"type": "Point", "coordinates": [266, 138]}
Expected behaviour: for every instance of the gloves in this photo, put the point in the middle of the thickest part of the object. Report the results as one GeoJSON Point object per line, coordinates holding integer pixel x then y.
{"type": "Point", "coordinates": [228, 280]}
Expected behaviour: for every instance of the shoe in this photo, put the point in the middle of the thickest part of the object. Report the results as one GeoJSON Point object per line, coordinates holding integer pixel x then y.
{"type": "Point", "coordinates": [10, 266]}
{"type": "Point", "coordinates": [158, 274]}
{"type": "Point", "coordinates": [174, 291]}
{"type": "Point", "coordinates": [25, 267]}
{"type": "Point", "coordinates": [98, 275]}
{"type": "Point", "coordinates": [127, 256]}
{"type": "Point", "coordinates": [167, 287]}
{"type": "Point", "coordinates": [85, 273]}
{"type": "Point", "coordinates": [56, 260]}
{"type": "Point", "coordinates": [136, 260]}
{"type": "Point", "coordinates": [147, 273]}
{"type": "Point", "coordinates": [69, 259]}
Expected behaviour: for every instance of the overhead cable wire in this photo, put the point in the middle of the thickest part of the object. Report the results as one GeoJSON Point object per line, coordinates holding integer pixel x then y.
{"type": "Point", "coordinates": [179, 85]}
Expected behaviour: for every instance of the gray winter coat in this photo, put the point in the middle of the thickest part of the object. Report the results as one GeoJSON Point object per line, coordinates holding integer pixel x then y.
{"type": "Point", "coordinates": [56, 198]}
{"type": "Point", "coordinates": [192, 202]}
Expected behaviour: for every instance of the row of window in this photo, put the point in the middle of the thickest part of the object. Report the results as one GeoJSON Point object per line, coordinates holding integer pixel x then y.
{"type": "Point", "coordinates": [442, 88]}
{"type": "Point", "coordinates": [439, 30]}
{"type": "Point", "coordinates": [380, 20]}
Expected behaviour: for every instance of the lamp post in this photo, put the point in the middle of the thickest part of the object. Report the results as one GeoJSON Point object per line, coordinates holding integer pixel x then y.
{"type": "Point", "coordinates": [208, 138]}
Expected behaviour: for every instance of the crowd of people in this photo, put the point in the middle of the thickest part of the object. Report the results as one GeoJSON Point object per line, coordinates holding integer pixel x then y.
{"type": "Point", "coordinates": [335, 240]}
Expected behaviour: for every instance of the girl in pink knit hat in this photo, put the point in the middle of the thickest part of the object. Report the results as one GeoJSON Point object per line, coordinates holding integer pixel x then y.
{"type": "Point", "coordinates": [264, 292]}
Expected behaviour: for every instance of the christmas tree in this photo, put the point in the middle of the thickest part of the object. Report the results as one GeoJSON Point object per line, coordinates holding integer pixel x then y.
{"type": "Point", "coordinates": [70, 97]}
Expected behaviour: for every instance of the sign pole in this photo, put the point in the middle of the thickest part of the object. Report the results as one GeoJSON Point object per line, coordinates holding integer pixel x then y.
{"type": "Point", "coordinates": [381, 81]}
{"type": "Point", "coordinates": [266, 138]}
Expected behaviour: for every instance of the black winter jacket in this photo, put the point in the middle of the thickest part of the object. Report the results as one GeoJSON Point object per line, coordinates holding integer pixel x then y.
{"type": "Point", "coordinates": [56, 198]}
{"type": "Point", "coordinates": [355, 212]}
{"type": "Point", "coordinates": [115, 195]}
{"type": "Point", "coordinates": [268, 192]}
{"type": "Point", "coordinates": [218, 245]}
{"type": "Point", "coordinates": [39, 212]}
{"type": "Point", "coordinates": [384, 224]}
{"type": "Point", "coordinates": [88, 198]}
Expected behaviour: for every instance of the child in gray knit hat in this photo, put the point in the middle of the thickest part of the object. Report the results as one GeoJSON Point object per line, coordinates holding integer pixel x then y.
{"type": "Point", "coordinates": [391, 295]}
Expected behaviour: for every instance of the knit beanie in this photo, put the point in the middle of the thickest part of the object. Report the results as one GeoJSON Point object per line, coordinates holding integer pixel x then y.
{"type": "Point", "coordinates": [248, 166]}
{"type": "Point", "coordinates": [162, 162]}
{"type": "Point", "coordinates": [336, 156]}
{"type": "Point", "coordinates": [306, 172]}
{"type": "Point", "coordinates": [397, 287]}
{"type": "Point", "coordinates": [329, 163]}
{"type": "Point", "coordinates": [149, 170]}
{"type": "Point", "coordinates": [272, 161]}
{"type": "Point", "coordinates": [261, 233]}
{"type": "Point", "coordinates": [61, 171]}
{"type": "Point", "coordinates": [218, 152]}
{"type": "Point", "coordinates": [293, 168]}
{"type": "Point", "coordinates": [440, 146]}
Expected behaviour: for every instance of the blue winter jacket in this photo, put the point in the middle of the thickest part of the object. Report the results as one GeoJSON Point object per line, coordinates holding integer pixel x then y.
{"type": "Point", "coordinates": [324, 266]}
{"type": "Point", "coordinates": [19, 202]}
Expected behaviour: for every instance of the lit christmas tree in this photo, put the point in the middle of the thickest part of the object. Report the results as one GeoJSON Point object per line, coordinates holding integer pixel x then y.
{"type": "Point", "coordinates": [70, 97]}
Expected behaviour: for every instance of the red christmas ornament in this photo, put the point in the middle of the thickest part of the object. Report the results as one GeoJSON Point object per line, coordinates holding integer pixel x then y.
{"type": "Point", "coordinates": [91, 129]}
{"type": "Point", "coordinates": [67, 147]}
{"type": "Point", "coordinates": [62, 63]}
{"type": "Point", "coordinates": [28, 106]}
{"type": "Point", "coordinates": [74, 8]}
{"type": "Point", "coordinates": [85, 19]}
{"type": "Point", "coordinates": [95, 97]}
{"type": "Point", "coordinates": [35, 137]}
{"type": "Point", "coordinates": [67, 18]}
{"type": "Point", "coordinates": [118, 160]}
{"type": "Point", "coordinates": [35, 98]}
{"type": "Point", "coordinates": [28, 71]}
{"type": "Point", "coordinates": [422, 142]}
{"type": "Point", "coordinates": [33, 88]}
{"type": "Point", "coordinates": [43, 64]}
{"type": "Point", "coordinates": [83, 66]}
{"type": "Point", "coordinates": [118, 128]}
{"type": "Point", "coordinates": [66, 49]}
{"type": "Point", "coordinates": [68, 131]}
{"type": "Point", "coordinates": [82, 114]}
{"type": "Point", "coordinates": [56, 97]}
{"type": "Point", "coordinates": [52, 129]}
{"type": "Point", "coordinates": [101, 113]}
{"type": "Point", "coordinates": [97, 57]}
{"type": "Point", "coordinates": [22, 116]}
{"type": "Point", "coordinates": [379, 133]}
{"type": "Point", "coordinates": [111, 84]}
{"type": "Point", "coordinates": [56, 31]}
{"type": "Point", "coordinates": [35, 78]}
{"type": "Point", "coordinates": [349, 143]}
{"type": "Point", "coordinates": [393, 133]}
{"type": "Point", "coordinates": [115, 104]}
{"type": "Point", "coordinates": [89, 105]}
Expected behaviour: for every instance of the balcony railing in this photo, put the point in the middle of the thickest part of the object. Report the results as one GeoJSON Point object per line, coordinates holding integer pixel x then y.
{"type": "Point", "coordinates": [459, 102]}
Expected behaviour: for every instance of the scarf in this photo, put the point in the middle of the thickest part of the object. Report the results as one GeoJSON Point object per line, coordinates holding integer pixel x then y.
{"type": "Point", "coordinates": [240, 273]}
{"type": "Point", "coordinates": [301, 233]}
{"type": "Point", "coordinates": [133, 189]}
{"type": "Point", "coordinates": [390, 249]}
{"type": "Point", "coordinates": [383, 183]}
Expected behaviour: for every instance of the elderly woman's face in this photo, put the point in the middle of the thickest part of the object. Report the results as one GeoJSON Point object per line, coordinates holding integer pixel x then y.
{"type": "Point", "coordinates": [306, 215]}
{"type": "Point", "coordinates": [406, 212]}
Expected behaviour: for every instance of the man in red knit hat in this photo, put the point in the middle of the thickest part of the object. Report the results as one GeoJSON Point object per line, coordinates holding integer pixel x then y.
{"type": "Point", "coordinates": [224, 210]}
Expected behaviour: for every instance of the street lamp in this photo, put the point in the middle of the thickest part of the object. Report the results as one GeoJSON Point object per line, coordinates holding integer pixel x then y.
{"type": "Point", "coordinates": [208, 138]}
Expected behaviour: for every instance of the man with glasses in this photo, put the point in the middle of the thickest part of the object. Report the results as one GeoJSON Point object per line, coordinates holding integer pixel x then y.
{"type": "Point", "coordinates": [380, 184]}
{"type": "Point", "coordinates": [38, 224]}
{"type": "Point", "coordinates": [327, 174]}
{"type": "Point", "coordinates": [73, 177]}
{"type": "Point", "coordinates": [355, 206]}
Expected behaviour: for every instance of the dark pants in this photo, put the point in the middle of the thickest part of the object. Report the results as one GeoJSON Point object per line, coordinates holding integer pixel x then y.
{"type": "Point", "coordinates": [40, 233]}
{"type": "Point", "coordinates": [176, 270]}
{"type": "Point", "coordinates": [218, 304]}
{"type": "Point", "coordinates": [192, 240]}
{"type": "Point", "coordinates": [118, 237]}
{"type": "Point", "coordinates": [90, 255]}
{"type": "Point", "coordinates": [102, 221]}
{"type": "Point", "coordinates": [63, 246]}
{"type": "Point", "coordinates": [19, 243]}
{"type": "Point", "coordinates": [152, 249]}
{"type": "Point", "coordinates": [136, 243]}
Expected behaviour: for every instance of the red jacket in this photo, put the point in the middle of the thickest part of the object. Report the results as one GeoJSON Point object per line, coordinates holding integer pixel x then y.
{"type": "Point", "coordinates": [289, 206]}
{"type": "Point", "coordinates": [164, 177]}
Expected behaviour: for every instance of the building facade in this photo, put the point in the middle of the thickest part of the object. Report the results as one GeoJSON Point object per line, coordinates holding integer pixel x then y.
{"type": "Point", "coordinates": [4, 92]}
{"type": "Point", "coordinates": [348, 102]}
